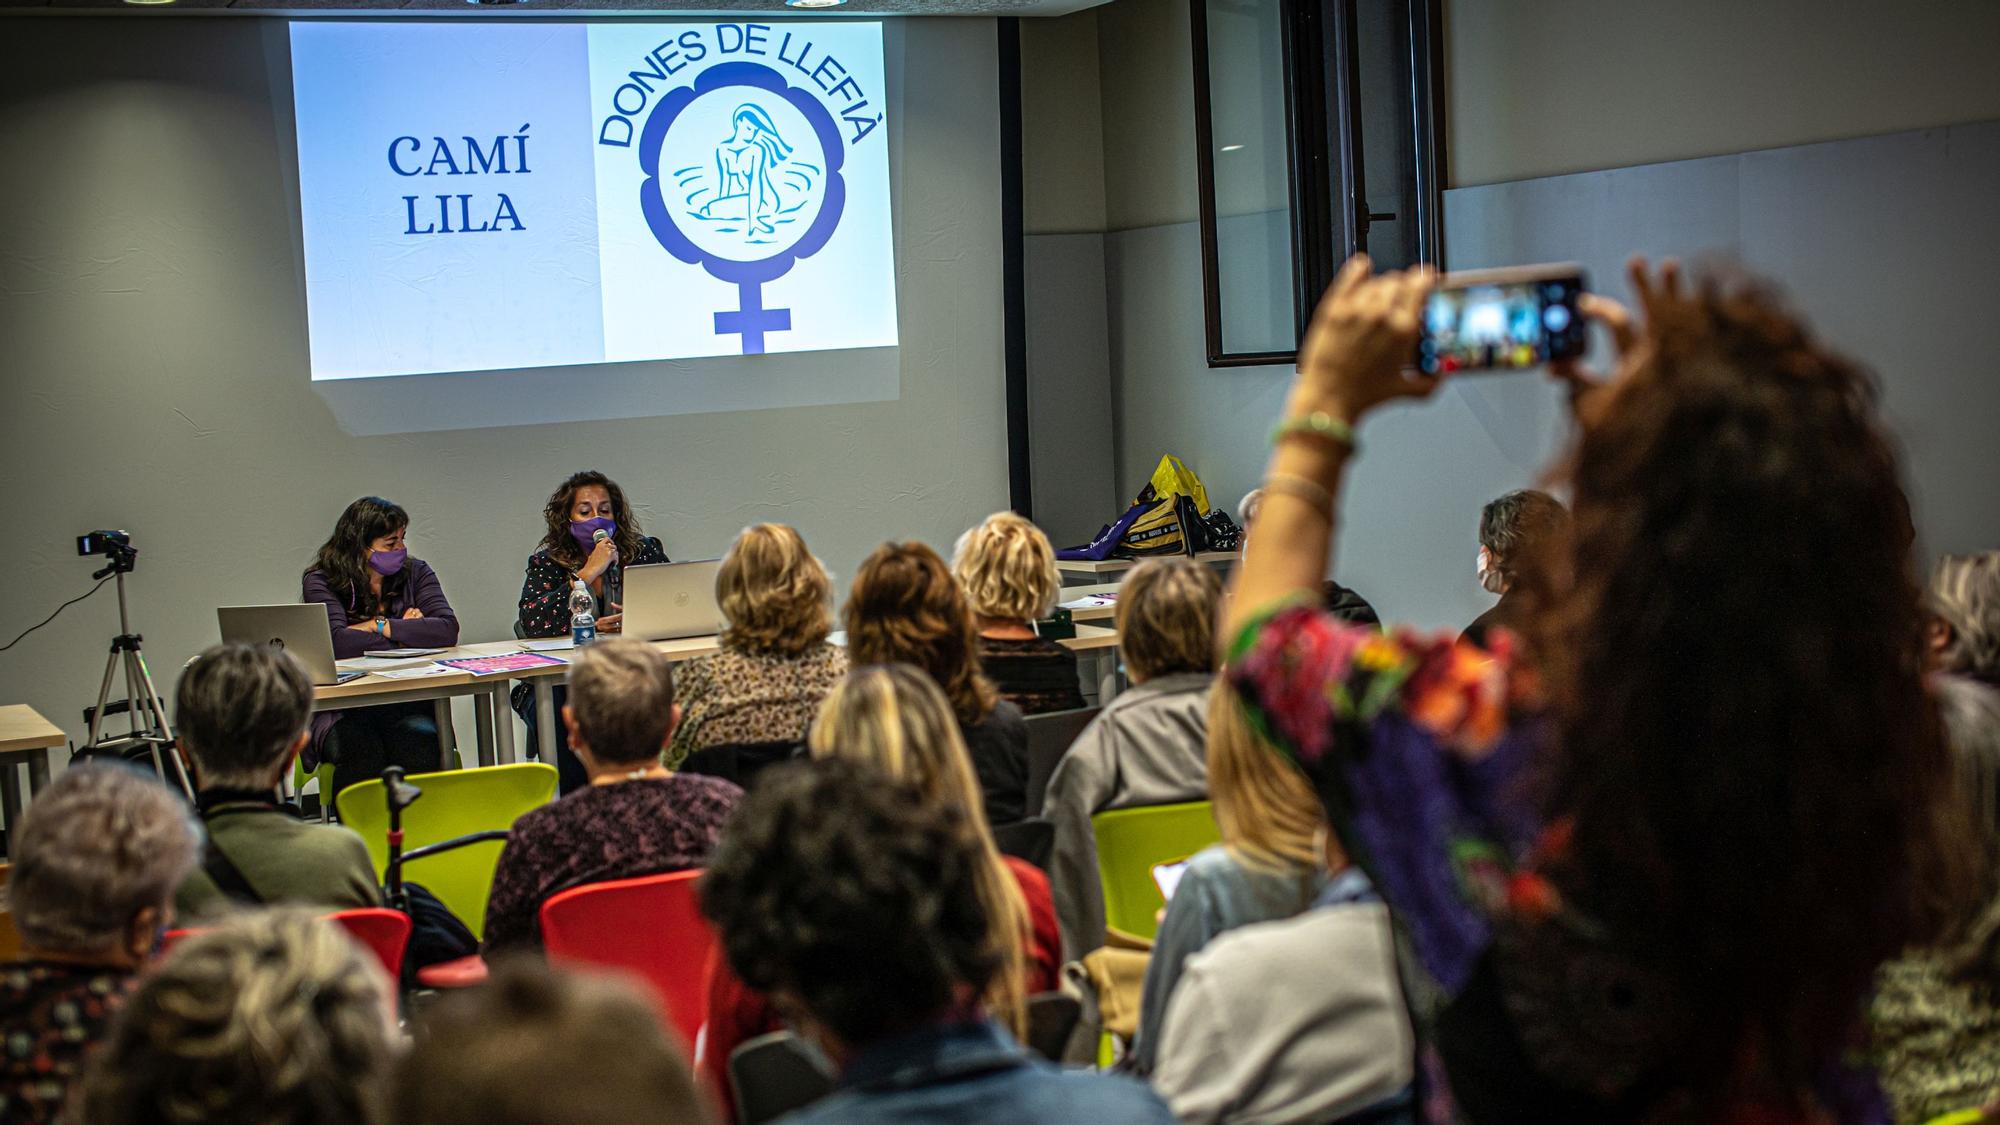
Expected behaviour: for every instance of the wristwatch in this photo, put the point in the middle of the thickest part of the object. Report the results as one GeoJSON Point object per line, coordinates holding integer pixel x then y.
{"type": "Point", "coordinates": [381, 626]}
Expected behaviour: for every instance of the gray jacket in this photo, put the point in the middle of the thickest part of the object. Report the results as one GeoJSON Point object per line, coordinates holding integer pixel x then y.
{"type": "Point", "coordinates": [1148, 747]}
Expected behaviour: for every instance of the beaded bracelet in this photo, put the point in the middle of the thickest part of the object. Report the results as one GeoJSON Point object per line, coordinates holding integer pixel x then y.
{"type": "Point", "coordinates": [1317, 424]}
{"type": "Point", "coordinates": [1301, 488]}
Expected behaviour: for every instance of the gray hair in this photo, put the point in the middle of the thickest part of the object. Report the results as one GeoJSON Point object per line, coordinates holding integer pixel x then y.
{"type": "Point", "coordinates": [238, 709]}
{"type": "Point", "coordinates": [275, 1015]}
{"type": "Point", "coordinates": [99, 845]}
{"type": "Point", "coordinates": [621, 693]}
{"type": "Point", "coordinates": [1965, 594]}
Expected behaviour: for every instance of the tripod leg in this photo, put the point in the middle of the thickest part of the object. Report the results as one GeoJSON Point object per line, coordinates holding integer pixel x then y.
{"type": "Point", "coordinates": [103, 696]}
{"type": "Point", "coordinates": [163, 737]}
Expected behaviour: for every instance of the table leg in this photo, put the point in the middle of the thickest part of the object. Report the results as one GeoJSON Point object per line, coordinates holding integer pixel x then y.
{"type": "Point", "coordinates": [545, 719]}
{"type": "Point", "coordinates": [447, 737]}
{"type": "Point", "coordinates": [503, 724]}
{"type": "Point", "coordinates": [482, 717]}
{"type": "Point", "coordinates": [10, 801]}
{"type": "Point", "coordinates": [38, 771]}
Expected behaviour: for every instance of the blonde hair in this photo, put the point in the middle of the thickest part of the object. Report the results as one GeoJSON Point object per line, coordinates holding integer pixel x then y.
{"type": "Point", "coordinates": [621, 697]}
{"type": "Point", "coordinates": [1166, 618]}
{"type": "Point", "coordinates": [1007, 568]}
{"type": "Point", "coordinates": [1965, 594]}
{"type": "Point", "coordinates": [776, 595]}
{"type": "Point", "coordinates": [1267, 810]}
{"type": "Point", "coordinates": [895, 718]}
{"type": "Point", "coordinates": [276, 1016]}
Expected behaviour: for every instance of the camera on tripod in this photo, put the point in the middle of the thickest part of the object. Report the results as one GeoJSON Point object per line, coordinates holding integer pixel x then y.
{"type": "Point", "coordinates": [115, 546]}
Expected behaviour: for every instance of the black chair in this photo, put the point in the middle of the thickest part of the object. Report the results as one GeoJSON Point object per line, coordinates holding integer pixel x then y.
{"type": "Point", "coordinates": [1032, 840]}
{"type": "Point", "coordinates": [776, 1074]}
{"type": "Point", "coordinates": [739, 762]}
{"type": "Point", "coordinates": [1049, 738]}
{"type": "Point", "coordinates": [1052, 1017]}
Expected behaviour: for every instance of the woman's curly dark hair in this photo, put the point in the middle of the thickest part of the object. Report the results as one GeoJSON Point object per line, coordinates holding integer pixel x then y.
{"type": "Point", "coordinates": [839, 886]}
{"type": "Point", "coordinates": [906, 608]}
{"type": "Point", "coordinates": [1755, 780]}
{"type": "Point", "coordinates": [343, 558]}
{"type": "Point", "coordinates": [562, 546]}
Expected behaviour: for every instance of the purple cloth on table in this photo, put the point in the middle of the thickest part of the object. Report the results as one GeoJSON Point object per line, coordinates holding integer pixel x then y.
{"type": "Point", "coordinates": [437, 628]}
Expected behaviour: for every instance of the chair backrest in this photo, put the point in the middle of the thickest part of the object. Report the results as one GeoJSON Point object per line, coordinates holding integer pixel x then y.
{"type": "Point", "coordinates": [776, 1074]}
{"type": "Point", "coordinates": [386, 933]}
{"type": "Point", "coordinates": [650, 926]}
{"type": "Point", "coordinates": [1052, 1016]}
{"type": "Point", "coordinates": [455, 803]}
{"type": "Point", "coordinates": [10, 937]}
{"type": "Point", "coordinates": [739, 762]}
{"type": "Point", "coordinates": [1049, 737]}
{"type": "Point", "coordinates": [1032, 840]}
{"type": "Point", "coordinates": [1131, 842]}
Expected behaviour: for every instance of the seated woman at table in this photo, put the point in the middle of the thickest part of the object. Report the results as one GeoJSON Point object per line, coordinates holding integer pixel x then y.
{"type": "Point", "coordinates": [580, 507]}
{"type": "Point", "coordinates": [905, 608]}
{"type": "Point", "coordinates": [775, 666]}
{"type": "Point", "coordinates": [377, 597]}
{"type": "Point", "coordinates": [1009, 574]}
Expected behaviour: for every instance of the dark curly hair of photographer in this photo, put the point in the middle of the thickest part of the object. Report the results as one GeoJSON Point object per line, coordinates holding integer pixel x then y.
{"type": "Point", "coordinates": [1756, 780]}
{"type": "Point", "coordinates": [840, 889]}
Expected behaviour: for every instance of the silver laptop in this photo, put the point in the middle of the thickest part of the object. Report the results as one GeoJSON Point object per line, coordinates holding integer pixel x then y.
{"type": "Point", "coordinates": [666, 601]}
{"type": "Point", "coordinates": [302, 630]}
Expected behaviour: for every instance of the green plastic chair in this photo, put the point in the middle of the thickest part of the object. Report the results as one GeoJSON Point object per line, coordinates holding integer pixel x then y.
{"type": "Point", "coordinates": [456, 803]}
{"type": "Point", "coordinates": [1130, 843]}
{"type": "Point", "coordinates": [324, 775]}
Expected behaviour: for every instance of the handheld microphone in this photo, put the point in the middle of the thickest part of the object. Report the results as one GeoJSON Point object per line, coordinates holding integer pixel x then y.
{"type": "Point", "coordinates": [614, 586]}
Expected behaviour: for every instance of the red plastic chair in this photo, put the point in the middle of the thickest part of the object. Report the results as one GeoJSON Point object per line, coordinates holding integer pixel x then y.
{"type": "Point", "coordinates": [386, 933]}
{"type": "Point", "coordinates": [650, 927]}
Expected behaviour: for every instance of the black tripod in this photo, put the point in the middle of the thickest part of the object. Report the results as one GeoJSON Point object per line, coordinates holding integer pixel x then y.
{"type": "Point", "coordinates": [143, 703]}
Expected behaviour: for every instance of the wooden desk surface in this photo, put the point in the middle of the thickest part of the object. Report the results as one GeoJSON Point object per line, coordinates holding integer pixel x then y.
{"type": "Point", "coordinates": [1090, 613]}
{"type": "Point", "coordinates": [23, 728]}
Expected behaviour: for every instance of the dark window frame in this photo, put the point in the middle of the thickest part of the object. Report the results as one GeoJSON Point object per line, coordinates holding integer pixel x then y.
{"type": "Point", "coordinates": [1323, 148]}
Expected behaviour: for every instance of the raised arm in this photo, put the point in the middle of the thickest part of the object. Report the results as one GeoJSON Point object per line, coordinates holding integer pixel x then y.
{"type": "Point", "coordinates": [1352, 360]}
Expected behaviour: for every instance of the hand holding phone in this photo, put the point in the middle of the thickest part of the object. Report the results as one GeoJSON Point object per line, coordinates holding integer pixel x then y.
{"type": "Point", "coordinates": [1503, 320]}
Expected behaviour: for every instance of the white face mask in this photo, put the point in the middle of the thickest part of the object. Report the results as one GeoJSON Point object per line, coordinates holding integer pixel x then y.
{"type": "Point", "coordinates": [1490, 579]}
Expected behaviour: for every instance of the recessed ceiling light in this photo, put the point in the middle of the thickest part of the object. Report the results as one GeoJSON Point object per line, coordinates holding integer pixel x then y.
{"type": "Point", "coordinates": [149, 3]}
{"type": "Point", "coordinates": [814, 3]}
{"type": "Point", "coordinates": [1231, 148]}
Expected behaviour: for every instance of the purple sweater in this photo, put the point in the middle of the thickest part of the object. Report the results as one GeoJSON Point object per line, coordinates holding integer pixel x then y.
{"type": "Point", "coordinates": [437, 628]}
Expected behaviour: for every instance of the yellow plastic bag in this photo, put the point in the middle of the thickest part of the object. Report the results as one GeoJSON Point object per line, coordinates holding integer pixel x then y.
{"type": "Point", "coordinates": [1173, 478]}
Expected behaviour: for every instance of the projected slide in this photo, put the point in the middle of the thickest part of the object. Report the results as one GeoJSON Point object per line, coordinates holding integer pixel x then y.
{"type": "Point", "coordinates": [479, 197]}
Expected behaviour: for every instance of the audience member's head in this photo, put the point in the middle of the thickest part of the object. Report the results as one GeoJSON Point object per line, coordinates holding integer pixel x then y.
{"type": "Point", "coordinates": [97, 857]}
{"type": "Point", "coordinates": [537, 1047]}
{"type": "Point", "coordinates": [1964, 599]}
{"type": "Point", "coordinates": [274, 1016]}
{"type": "Point", "coordinates": [894, 718]}
{"type": "Point", "coordinates": [1519, 534]}
{"type": "Point", "coordinates": [1746, 758]}
{"type": "Point", "coordinates": [774, 593]}
{"type": "Point", "coordinates": [905, 608]}
{"type": "Point", "coordinates": [853, 902]}
{"type": "Point", "coordinates": [621, 704]}
{"type": "Point", "coordinates": [1008, 569]}
{"type": "Point", "coordinates": [1166, 618]}
{"type": "Point", "coordinates": [1267, 810]}
{"type": "Point", "coordinates": [241, 713]}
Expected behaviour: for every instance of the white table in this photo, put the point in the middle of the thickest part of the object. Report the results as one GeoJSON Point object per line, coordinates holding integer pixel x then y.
{"type": "Point", "coordinates": [24, 737]}
{"type": "Point", "coordinates": [1086, 571]}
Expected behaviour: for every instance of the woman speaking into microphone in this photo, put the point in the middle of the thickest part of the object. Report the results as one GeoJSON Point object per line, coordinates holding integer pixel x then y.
{"type": "Point", "coordinates": [573, 549]}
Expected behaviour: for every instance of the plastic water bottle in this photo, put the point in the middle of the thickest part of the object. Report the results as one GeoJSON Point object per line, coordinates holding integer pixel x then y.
{"type": "Point", "coordinates": [582, 615]}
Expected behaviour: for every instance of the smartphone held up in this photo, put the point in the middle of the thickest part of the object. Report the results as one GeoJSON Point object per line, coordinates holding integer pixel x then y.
{"type": "Point", "coordinates": [1503, 320]}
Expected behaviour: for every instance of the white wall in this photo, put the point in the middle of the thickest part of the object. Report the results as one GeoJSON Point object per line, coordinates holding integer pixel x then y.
{"type": "Point", "coordinates": [1541, 87]}
{"type": "Point", "coordinates": [153, 361]}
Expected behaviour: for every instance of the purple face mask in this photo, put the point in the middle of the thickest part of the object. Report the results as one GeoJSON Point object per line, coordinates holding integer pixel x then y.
{"type": "Point", "coordinates": [386, 563]}
{"type": "Point", "coordinates": [585, 531]}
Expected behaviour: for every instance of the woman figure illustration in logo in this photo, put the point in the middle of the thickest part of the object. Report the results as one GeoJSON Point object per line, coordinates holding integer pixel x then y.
{"type": "Point", "coordinates": [743, 166]}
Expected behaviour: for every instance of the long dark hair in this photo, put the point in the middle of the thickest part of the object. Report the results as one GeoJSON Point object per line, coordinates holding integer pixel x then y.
{"type": "Point", "coordinates": [1755, 781]}
{"type": "Point", "coordinates": [562, 546]}
{"type": "Point", "coordinates": [343, 558]}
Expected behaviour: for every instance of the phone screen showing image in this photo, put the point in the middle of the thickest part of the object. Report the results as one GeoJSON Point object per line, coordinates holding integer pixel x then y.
{"type": "Point", "coordinates": [1504, 326]}
{"type": "Point", "coordinates": [1167, 876]}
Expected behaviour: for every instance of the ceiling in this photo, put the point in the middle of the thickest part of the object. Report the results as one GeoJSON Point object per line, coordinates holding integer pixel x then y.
{"type": "Point", "coordinates": [773, 9]}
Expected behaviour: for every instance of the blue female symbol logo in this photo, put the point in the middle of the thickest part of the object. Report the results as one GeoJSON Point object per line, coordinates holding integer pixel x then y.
{"type": "Point", "coordinates": [742, 178]}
